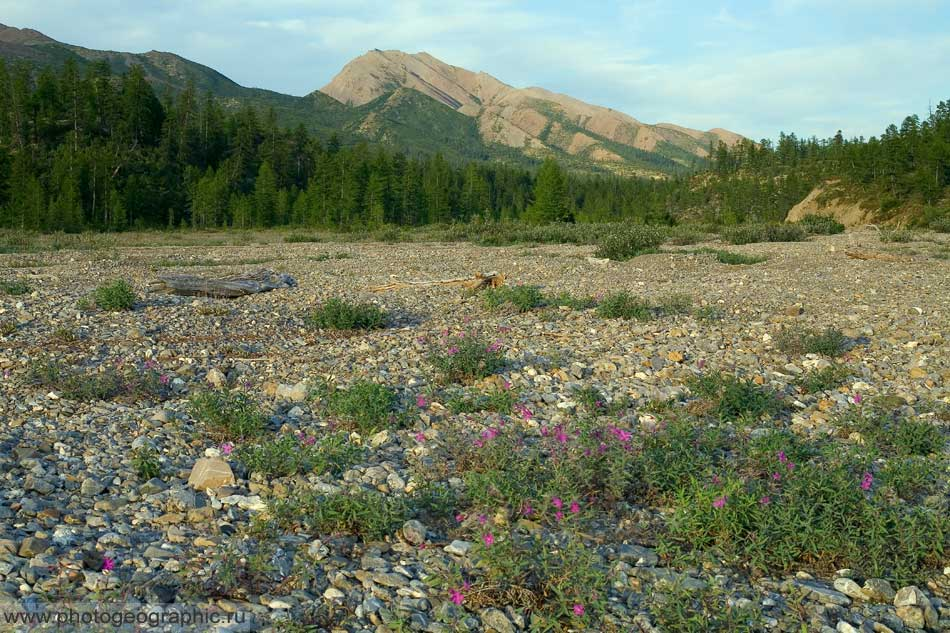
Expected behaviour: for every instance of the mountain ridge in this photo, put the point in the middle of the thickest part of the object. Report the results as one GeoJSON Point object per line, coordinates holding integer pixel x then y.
{"type": "Point", "coordinates": [465, 114]}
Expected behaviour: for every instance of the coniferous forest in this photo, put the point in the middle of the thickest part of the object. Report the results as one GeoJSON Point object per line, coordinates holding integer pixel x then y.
{"type": "Point", "coordinates": [91, 150]}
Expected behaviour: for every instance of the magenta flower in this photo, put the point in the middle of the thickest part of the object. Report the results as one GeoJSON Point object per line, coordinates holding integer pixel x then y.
{"type": "Point", "coordinates": [560, 436]}
{"type": "Point", "coordinates": [557, 503]}
{"type": "Point", "coordinates": [559, 515]}
{"type": "Point", "coordinates": [620, 434]}
{"type": "Point", "coordinates": [701, 363]}
{"type": "Point", "coordinates": [459, 517]}
{"type": "Point", "coordinates": [866, 481]}
{"type": "Point", "coordinates": [456, 596]}
{"type": "Point", "coordinates": [782, 457]}
{"type": "Point", "coordinates": [163, 379]}
{"type": "Point", "coordinates": [227, 448]}
{"type": "Point", "coordinates": [150, 364]}
{"type": "Point", "coordinates": [766, 500]}
{"type": "Point", "coordinates": [776, 476]}
{"type": "Point", "coordinates": [494, 347]}
{"type": "Point", "coordinates": [482, 519]}
{"type": "Point", "coordinates": [452, 351]}
{"type": "Point", "coordinates": [489, 539]}
{"type": "Point", "coordinates": [716, 481]}
{"type": "Point", "coordinates": [575, 507]}
{"type": "Point", "coordinates": [506, 385]}
{"type": "Point", "coordinates": [578, 609]}
{"type": "Point", "coordinates": [307, 440]}
{"type": "Point", "coordinates": [421, 401]}
{"type": "Point", "coordinates": [420, 437]}
{"type": "Point", "coordinates": [720, 502]}
{"type": "Point", "coordinates": [527, 510]}
{"type": "Point", "coordinates": [857, 398]}
{"type": "Point", "coordinates": [108, 564]}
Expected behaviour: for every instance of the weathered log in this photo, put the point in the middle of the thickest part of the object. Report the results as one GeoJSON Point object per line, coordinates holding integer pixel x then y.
{"type": "Point", "coordinates": [227, 287]}
{"type": "Point", "coordinates": [479, 281]}
{"type": "Point", "coordinates": [867, 255]}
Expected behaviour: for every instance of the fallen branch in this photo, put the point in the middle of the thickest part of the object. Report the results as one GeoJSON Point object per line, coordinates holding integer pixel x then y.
{"type": "Point", "coordinates": [479, 281]}
{"type": "Point", "coordinates": [229, 286]}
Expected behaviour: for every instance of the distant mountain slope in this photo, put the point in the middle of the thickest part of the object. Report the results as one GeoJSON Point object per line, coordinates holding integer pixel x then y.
{"type": "Point", "coordinates": [421, 105]}
{"type": "Point", "coordinates": [532, 120]}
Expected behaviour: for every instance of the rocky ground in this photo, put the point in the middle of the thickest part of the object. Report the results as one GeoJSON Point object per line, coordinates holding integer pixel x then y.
{"type": "Point", "coordinates": [78, 521]}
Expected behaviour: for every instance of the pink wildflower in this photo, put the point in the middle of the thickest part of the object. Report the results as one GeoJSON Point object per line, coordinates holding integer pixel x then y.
{"type": "Point", "coordinates": [559, 515]}
{"type": "Point", "coordinates": [557, 503]}
{"type": "Point", "coordinates": [494, 347]}
{"type": "Point", "coordinates": [108, 564]}
{"type": "Point", "coordinates": [776, 476]}
{"type": "Point", "coordinates": [866, 481]}
{"type": "Point", "coordinates": [489, 539]}
{"type": "Point", "coordinates": [716, 481]}
{"type": "Point", "coordinates": [506, 385]}
{"type": "Point", "coordinates": [857, 398]}
{"type": "Point", "coordinates": [459, 517]}
{"type": "Point", "coordinates": [452, 351]}
{"type": "Point", "coordinates": [456, 596]}
{"type": "Point", "coordinates": [421, 401]}
{"type": "Point", "coordinates": [227, 448]}
{"type": "Point", "coordinates": [560, 436]}
{"type": "Point", "coordinates": [163, 379]}
{"type": "Point", "coordinates": [482, 519]}
{"type": "Point", "coordinates": [782, 457]}
{"type": "Point", "coordinates": [575, 507]}
{"type": "Point", "coordinates": [420, 437]}
{"type": "Point", "coordinates": [527, 510]}
{"type": "Point", "coordinates": [720, 502]}
{"type": "Point", "coordinates": [578, 609]}
{"type": "Point", "coordinates": [766, 500]}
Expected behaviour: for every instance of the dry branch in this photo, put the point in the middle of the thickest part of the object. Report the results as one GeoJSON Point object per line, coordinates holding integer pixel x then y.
{"type": "Point", "coordinates": [229, 286]}
{"type": "Point", "coordinates": [479, 281]}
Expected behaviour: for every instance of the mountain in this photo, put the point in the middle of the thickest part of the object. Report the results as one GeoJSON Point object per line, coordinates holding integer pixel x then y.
{"type": "Point", "coordinates": [534, 121]}
{"type": "Point", "coordinates": [419, 104]}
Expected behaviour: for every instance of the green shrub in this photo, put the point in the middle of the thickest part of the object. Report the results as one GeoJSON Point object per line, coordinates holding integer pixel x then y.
{"type": "Point", "coordinates": [129, 383]}
{"type": "Point", "coordinates": [115, 296]}
{"type": "Point", "coordinates": [751, 233]}
{"type": "Point", "coordinates": [630, 241]}
{"type": "Point", "coordinates": [897, 235]}
{"type": "Point", "coordinates": [369, 514]}
{"type": "Point", "coordinates": [940, 225]}
{"type": "Point", "coordinates": [622, 305]}
{"type": "Point", "coordinates": [821, 225]}
{"type": "Point", "coordinates": [674, 303]}
{"type": "Point", "coordinates": [228, 415]}
{"type": "Point", "coordinates": [338, 314]}
{"type": "Point", "coordinates": [798, 340]}
{"type": "Point", "coordinates": [690, 611]}
{"type": "Point", "coordinates": [738, 259]}
{"type": "Point", "coordinates": [826, 379]}
{"type": "Point", "coordinates": [295, 238]}
{"type": "Point", "coordinates": [365, 406]}
{"type": "Point", "coordinates": [465, 358]}
{"type": "Point", "coordinates": [494, 400]}
{"type": "Point", "coordinates": [735, 399]}
{"type": "Point", "coordinates": [523, 297]}
{"type": "Point", "coordinates": [573, 302]}
{"type": "Point", "coordinates": [15, 288]}
{"type": "Point", "coordinates": [145, 462]}
{"type": "Point", "coordinates": [7, 327]}
{"type": "Point", "coordinates": [297, 454]}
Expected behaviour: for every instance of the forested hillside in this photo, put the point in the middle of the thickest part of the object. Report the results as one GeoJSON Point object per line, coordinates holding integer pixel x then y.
{"type": "Point", "coordinates": [87, 149]}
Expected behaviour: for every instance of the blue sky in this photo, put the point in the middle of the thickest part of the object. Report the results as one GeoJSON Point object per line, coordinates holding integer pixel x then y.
{"type": "Point", "coordinates": [752, 66]}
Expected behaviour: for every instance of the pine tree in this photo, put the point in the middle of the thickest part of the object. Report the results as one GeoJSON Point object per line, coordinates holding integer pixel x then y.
{"type": "Point", "coordinates": [550, 195]}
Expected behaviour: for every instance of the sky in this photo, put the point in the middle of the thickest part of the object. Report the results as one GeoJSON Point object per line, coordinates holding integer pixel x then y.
{"type": "Point", "coordinates": [756, 67]}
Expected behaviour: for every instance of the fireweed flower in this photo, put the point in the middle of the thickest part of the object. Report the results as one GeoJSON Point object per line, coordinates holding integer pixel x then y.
{"type": "Point", "coordinates": [108, 564]}
{"type": "Point", "coordinates": [527, 510]}
{"type": "Point", "coordinates": [482, 519]}
{"type": "Point", "coordinates": [506, 385]}
{"type": "Point", "coordinates": [782, 457]}
{"type": "Point", "coordinates": [456, 596]}
{"type": "Point", "coordinates": [227, 448]}
{"type": "Point", "coordinates": [857, 398]}
{"type": "Point", "coordinates": [452, 351]}
{"type": "Point", "coordinates": [489, 539]}
{"type": "Point", "coordinates": [777, 476]}
{"type": "Point", "coordinates": [560, 436]}
{"type": "Point", "coordinates": [420, 437]}
{"type": "Point", "coordinates": [557, 503]}
{"type": "Point", "coordinates": [163, 379]}
{"type": "Point", "coordinates": [766, 500]}
{"type": "Point", "coordinates": [575, 507]}
{"type": "Point", "coordinates": [578, 609]}
{"type": "Point", "coordinates": [494, 347]}
{"type": "Point", "coordinates": [866, 481]}
{"type": "Point", "coordinates": [559, 515]}
{"type": "Point", "coordinates": [459, 517]}
{"type": "Point", "coordinates": [421, 401]}
{"type": "Point", "coordinates": [716, 481]}
{"type": "Point", "coordinates": [720, 502]}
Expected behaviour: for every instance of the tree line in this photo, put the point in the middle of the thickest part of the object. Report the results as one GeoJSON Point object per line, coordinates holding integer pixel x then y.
{"type": "Point", "coordinates": [93, 150]}
{"type": "Point", "coordinates": [89, 149]}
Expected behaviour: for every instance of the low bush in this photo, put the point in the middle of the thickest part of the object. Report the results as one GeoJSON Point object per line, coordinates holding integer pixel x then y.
{"type": "Point", "coordinates": [799, 340]}
{"type": "Point", "coordinates": [291, 454]}
{"type": "Point", "coordinates": [365, 407]}
{"type": "Point", "coordinates": [629, 241]}
{"type": "Point", "coordinates": [228, 415]}
{"type": "Point", "coordinates": [467, 357]}
{"type": "Point", "coordinates": [751, 233]}
{"type": "Point", "coordinates": [733, 399]}
{"type": "Point", "coordinates": [115, 296]}
{"type": "Point", "coordinates": [900, 236]}
{"type": "Point", "coordinates": [15, 288]}
{"type": "Point", "coordinates": [623, 305]}
{"type": "Point", "coordinates": [821, 225]}
{"type": "Point", "coordinates": [825, 379]}
{"type": "Point", "coordinates": [522, 297]}
{"type": "Point", "coordinates": [126, 382]}
{"type": "Point", "coordinates": [338, 314]}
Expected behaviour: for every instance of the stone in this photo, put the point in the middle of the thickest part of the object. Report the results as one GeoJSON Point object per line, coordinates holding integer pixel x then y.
{"type": "Point", "coordinates": [414, 532]}
{"type": "Point", "coordinates": [210, 473]}
{"type": "Point", "coordinates": [675, 357]}
{"type": "Point", "coordinates": [458, 548]}
{"type": "Point", "coordinates": [497, 620]}
{"type": "Point", "coordinates": [31, 546]}
{"type": "Point", "coordinates": [216, 378]}
{"type": "Point", "coordinates": [845, 627]}
{"type": "Point", "coordinates": [823, 594]}
{"type": "Point", "coordinates": [91, 486]}
{"type": "Point", "coordinates": [332, 594]}
{"type": "Point", "coordinates": [878, 590]}
{"type": "Point", "coordinates": [914, 608]}
{"type": "Point", "coordinates": [849, 588]}
{"type": "Point", "coordinates": [794, 310]}
{"type": "Point", "coordinates": [294, 393]}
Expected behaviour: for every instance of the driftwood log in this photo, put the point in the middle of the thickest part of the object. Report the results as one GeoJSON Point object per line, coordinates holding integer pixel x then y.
{"type": "Point", "coordinates": [867, 255]}
{"type": "Point", "coordinates": [228, 287]}
{"type": "Point", "coordinates": [479, 281]}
